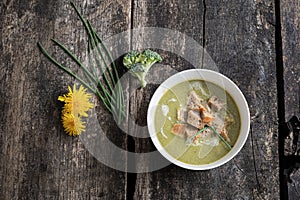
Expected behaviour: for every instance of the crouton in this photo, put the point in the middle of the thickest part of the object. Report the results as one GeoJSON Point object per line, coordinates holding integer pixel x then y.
{"type": "Point", "coordinates": [194, 119]}
{"type": "Point", "coordinates": [215, 103]}
{"type": "Point", "coordinates": [194, 101]}
{"type": "Point", "coordinates": [179, 130]}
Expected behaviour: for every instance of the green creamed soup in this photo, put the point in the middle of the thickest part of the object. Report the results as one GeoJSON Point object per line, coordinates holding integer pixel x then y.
{"type": "Point", "coordinates": [175, 98]}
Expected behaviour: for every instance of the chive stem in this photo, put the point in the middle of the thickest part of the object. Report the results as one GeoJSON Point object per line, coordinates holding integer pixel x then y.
{"type": "Point", "coordinates": [75, 59]}
{"type": "Point", "coordinates": [222, 139]}
{"type": "Point", "coordinates": [98, 47]}
{"type": "Point", "coordinates": [112, 100]}
{"type": "Point", "coordinates": [103, 89]}
{"type": "Point", "coordinates": [93, 44]}
{"type": "Point", "coordinates": [98, 40]}
{"type": "Point", "coordinates": [190, 139]}
{"type": "Point", "coordinates": [90, 30]}
{"type": "Point", "coordinates": [73, 75]}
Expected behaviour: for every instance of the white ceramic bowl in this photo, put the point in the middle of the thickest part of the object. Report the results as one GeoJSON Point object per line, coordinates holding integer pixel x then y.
{"type": "Point", "coordinates": [218, 79]}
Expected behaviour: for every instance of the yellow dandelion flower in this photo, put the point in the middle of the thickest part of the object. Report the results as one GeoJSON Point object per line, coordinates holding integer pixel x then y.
{"type": "Point", "coordinates": [76, 101]}
{"type": "Point", "coordinates": [72, 124]}
{"type": "Point", "coordinates": [76, 106]}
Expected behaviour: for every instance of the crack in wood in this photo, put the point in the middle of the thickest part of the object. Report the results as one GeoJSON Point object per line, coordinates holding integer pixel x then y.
{"type": "Point", "coordinates": [131, 177]}
{"type": "Point", "coordinates": [203, 24]}
{"type": "Point", "coordinates": [280, 100]}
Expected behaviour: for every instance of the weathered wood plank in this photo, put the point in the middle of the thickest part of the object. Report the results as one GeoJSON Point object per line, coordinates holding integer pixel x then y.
{"type": "Point", "coordinates": [291, 70]}
{"type": "Point", "coordinates": [290, 19]}
{"type": "Point", "coordinates": [290, 33]}
{"type": "Point", "coordinates": [293, 184]}
{"type": "Point", "coordinates": [240, 38]}
{"type": "Point", "coordinates": [38, 160]}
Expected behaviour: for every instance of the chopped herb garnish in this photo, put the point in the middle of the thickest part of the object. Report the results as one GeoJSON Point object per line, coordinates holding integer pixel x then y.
{"type": "Point", "coordinates": [222, 139]}
{"type": "Point", "coordinates": [190, 139]}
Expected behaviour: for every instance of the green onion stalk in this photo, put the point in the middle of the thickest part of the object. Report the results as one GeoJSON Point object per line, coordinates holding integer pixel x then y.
{"type": "Point", "coordinates": [112, 99]}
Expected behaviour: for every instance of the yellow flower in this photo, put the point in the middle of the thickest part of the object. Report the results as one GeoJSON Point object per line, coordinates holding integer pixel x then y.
{"type": "Point", "coordinates": [72, 124]}
{"type": "Point", "coordinates": [76, 101]}
{"type": "Point", "coordinates": [76, 106]}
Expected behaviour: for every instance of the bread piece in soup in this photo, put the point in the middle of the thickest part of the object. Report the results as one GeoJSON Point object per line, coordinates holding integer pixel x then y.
{"type": "Point", "coordinates": [194, 119]}
{"type": "Point", "coordinates": [194, 101]}
{"type": "Point", "coordinates": [179, 130]}
{"type": "Point", "coordinates": [215, 103]}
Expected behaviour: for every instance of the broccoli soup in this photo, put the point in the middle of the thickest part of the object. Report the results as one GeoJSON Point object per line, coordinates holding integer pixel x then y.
{"type": "Point", "coordinates": [197, 122]}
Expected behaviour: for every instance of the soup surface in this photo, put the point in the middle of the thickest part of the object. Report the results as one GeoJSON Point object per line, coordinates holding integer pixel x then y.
{"type": "Point", "coordinates": [166, 115]}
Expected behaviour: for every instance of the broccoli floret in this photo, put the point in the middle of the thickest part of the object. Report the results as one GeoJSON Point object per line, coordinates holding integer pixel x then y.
{"type": "Point", "coordinates": [140, 63]}
{"type": "Point", "coordinates": [131, 58]}
{"type": "Point", "coordinates": [138, 70]}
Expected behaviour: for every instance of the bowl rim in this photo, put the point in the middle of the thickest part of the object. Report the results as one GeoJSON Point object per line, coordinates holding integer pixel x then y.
{"type": "Point", "coordinates": [229, 86]}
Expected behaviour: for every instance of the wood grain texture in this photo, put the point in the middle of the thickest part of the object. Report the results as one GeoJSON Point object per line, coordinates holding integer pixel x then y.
{"type": "Point", "coordinates": [38, 160]}
{"type": "Point", "coordinates": [290, 19]}
{"type": "Point", "coordinates": [293, 184]}
{"type": "Point", "coordinates": [240, 38]}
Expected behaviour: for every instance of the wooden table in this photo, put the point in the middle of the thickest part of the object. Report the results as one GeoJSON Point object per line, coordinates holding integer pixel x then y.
{"type": "Point", "coordinates": [254, 43]}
